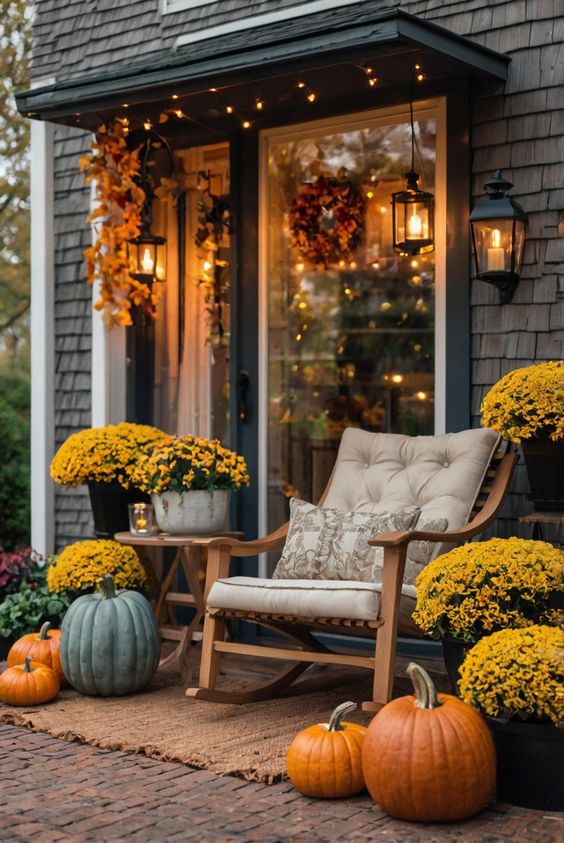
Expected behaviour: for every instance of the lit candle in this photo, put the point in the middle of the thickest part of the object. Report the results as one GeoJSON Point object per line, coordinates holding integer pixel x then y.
{"type": "Point", "coordinates": [414, 226]}
{"type": "Point", "coordinates": [141, 524]}
{"type": "Point", "coordinates": [496, 253]}
{"type": "Point", "coordinates": [147, 262]}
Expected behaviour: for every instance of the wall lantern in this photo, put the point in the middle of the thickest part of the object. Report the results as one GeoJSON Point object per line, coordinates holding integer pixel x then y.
{"type": "Point", "coordinates": [147, 253]}
{"type": "Point", "coordinates": [413, 211]}
{"type": "Point", "coordinates": [498, 237]}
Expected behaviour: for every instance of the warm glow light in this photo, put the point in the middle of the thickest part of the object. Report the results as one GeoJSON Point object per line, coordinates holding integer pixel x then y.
{"type": "Point", "coordinates": [397, 378]}
{"type": "Point", "coordinates": [347, 291]}
{"type": "Point", "coordinates": [300, 267]}
{"type": "Point", "coordinates": [311, 96]}
{"type": "Point", "coordinates": [213, 90]}
{"type": "Point", "coordinates": [260, 104]}
{"type": "Point", "coordinates": [420, 77]}
{"type": "Point", "coordinates": [301, 84]}
{"type": "Point", "coordinates": [147, 262]}
{"type": "Point", "coordinates": [298, 337]}
{"type": "Point", "coordinates": [422, 396]}
{"type": "Point", "coordinates": [175, 96]}
{"type": "Point", "coordinates": [414, 226]}
{"type": "Point", "coordinates": [383, 209]}
{"type": "Point", "coordinates": [229, 109]}
{"type": "Point", "coordinates": [370, 194]}
{"type": "Point", "coordinates": [372, 81]}
{"type": "Point", "coordinates": [246, 124]}
{"type": "Point", "coordinates": [341, 263]}
{"type": "Point", "coordinates": [375, 265]}
{"type": "Point", "coordinates": [414, 264]}
{"type": "Point", "coordinates": [496, 238]}
{"type": "Point", "coordinates": [368, 70]}
{"type": "Point", "coordinates": [179, 113]}
{"type": "Point", "coordinates": [302, 305]}
{"type": "Point", "coordinates": [125, 105]}
{"type": "Point", "coordinates": [385, 305]}
{"type": "Point", "coordinates": [147, 125]}
{"type": "Point", "coordinates": [207, 266]}
{"type": "Point", "coordinates": [352, 264]}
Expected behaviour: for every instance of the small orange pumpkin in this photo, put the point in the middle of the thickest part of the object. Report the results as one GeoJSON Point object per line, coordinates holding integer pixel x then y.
{"type": "Point", "coordinates": [30, 683]}
{"type": "Point", "coordinates": [325, 760]}
{"type": "Point", "coordinates": [429, 757]}
{"type": "Point", "coordinates": [42, 647]}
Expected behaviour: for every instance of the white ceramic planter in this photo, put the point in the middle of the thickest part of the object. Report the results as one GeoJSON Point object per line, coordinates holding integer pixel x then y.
{"type": "Point", "coordinates": [192, 513]}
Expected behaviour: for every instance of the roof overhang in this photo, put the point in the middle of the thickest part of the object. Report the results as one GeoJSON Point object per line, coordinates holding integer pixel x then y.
{"type": "Point", "coordinates": [309, 43]}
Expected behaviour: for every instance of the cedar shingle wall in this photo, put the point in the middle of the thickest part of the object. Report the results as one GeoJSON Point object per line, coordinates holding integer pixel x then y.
{"type": "Point", "coordinates": [73, 323]}
{"type": "Point", "coordinates": [519, 128]}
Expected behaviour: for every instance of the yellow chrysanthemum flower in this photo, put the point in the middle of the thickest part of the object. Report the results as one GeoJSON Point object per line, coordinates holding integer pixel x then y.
{"type": "Point", "coordinates": [517, 673]}
{"type": "Point", "coordinates": [181, 464]}
{"type": "Point", "coordinates": [80, 566]}
{"type": "Point", "coordinates": [527, 403]}
{"type": "Point", "coordinates": [482, 587]}
{"type": "Point", "coordinates": [104, 454]}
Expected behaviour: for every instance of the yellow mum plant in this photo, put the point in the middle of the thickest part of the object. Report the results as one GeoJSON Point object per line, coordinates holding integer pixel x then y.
{"type": "Point", "coordinates": [482, 587]}
{"type": "Point", "coordinates": [80, 566]}
{"type": "Point", "coordinates": [181, 464]}
{"type": "Point", "coordinates": [527, 403]}
{"type": "Point", "coordinates": [517, 673]}
{"type": "Point", "coordinates": [103, 454]}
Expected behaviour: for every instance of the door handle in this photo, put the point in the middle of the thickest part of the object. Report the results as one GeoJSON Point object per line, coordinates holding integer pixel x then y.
{"type": "Point", "coordinates": [242, 391]}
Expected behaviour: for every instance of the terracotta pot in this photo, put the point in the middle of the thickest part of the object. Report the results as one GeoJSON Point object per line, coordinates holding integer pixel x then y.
{"type": "Point", "coordinates": [109, 507]}
{"type": "Point", "coordinates": [545, 468]}
{"type": "Point", "coordinates": [192, 513]}
{"type": "Point", "coordinates": [530, 763]}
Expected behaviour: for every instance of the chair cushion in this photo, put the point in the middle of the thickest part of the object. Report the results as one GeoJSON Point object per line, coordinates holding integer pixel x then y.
{"type": "Point", "coordinates": [304, 598]}
{"type": "Point", "coordinates": [328, 544]}
{"type": "Point", "coordinates": [442, 475]}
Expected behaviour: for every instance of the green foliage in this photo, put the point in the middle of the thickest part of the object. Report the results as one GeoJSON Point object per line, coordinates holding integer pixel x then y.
{"type": "Point", "coordinates": [14, 462]}
{"type": "Point", "coordinates": [32, 605]}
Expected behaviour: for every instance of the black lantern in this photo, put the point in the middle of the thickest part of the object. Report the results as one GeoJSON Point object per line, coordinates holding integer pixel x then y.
{"type": "Point", "coordinates": [498, 237]}
{"type": "Point", "coordinates": [147, 259]}
{"type": "Point", "coordinates": [413, 211]}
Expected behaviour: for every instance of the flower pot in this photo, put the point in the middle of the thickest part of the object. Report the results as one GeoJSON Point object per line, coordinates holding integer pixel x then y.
{"type": "Point", "coordinates": [5, 646]}
{"type": "Point", "coordinates": [545, 468]}
{"type": "Point", "coordinates": [530, 763]}
{"type": "Point", "coordinates": [109, 507]}
{"type": "Point", "coordinates": [454, 653]}
{"type": "Point", "coordinates": [192, 513]}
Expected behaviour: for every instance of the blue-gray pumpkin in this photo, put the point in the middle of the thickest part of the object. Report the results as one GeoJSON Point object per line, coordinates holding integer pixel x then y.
{"type": "Point", "coordinates": [110, 642]}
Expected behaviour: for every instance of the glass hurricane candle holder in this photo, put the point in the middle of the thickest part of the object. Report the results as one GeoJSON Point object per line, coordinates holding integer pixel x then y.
{"type": "Point", "coordinates": [141, 519]}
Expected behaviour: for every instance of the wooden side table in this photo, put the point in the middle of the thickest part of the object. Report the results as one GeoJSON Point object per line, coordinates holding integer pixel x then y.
{"type": "Point", "coordinates": [538, 520]}
{"type": "Point", "coordinates": [191, 560]}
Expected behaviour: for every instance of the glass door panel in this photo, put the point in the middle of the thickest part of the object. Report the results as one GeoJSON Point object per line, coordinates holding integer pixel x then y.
{"type": "Point", "coordinates": [350, 335]}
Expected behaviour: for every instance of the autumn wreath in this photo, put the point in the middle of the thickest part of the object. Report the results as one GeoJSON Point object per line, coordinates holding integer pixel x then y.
{"type": "Point", "coordinates": [327, 220]}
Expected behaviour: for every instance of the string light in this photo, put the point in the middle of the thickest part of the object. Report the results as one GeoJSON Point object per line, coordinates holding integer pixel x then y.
{"type": "Point", "coordinates": [246, 124]}
{"type": "Point", "coordinates": [259, 103]}
{"type": "Point", "coordinates": [147, 125]}
{"type": "Point", "coordinates": [311, 96]}
{"type": "Point", "coordinates": [420, 76]}
{"type": "Point", "coordinates": [175, 96]}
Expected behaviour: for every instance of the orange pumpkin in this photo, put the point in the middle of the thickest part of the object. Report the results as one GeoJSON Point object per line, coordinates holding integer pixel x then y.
{"type": "Point", "coordinates": [30, 683]}
{"type": "Point", "coordinates": [429, 757]}
{"type": "Point", "coordinates": [325, 760]}
{"type": "Point", "coordinates": [42, 647]}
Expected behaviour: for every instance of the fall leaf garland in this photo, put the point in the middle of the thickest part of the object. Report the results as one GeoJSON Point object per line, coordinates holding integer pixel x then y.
{"type": "Point", "coordinates": [115, 171]}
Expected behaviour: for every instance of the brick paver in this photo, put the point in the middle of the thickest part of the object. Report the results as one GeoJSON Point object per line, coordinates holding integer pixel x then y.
{"type": "Point", "coordinates": [54, 791]}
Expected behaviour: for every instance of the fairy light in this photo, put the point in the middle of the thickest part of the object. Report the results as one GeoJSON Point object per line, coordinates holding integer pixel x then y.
{"type": "Point", "coordinates": [212, 90]}
{"type": "Point", "coordinates": [175, 96]}
{"type": "Point", "coordinates": [301, 84]}
{"type": "Point", "coordinates": [397, 378]}
{"type": "Point", "coordinates": [259, 104]}
{"type": "Point", "coordinates": [246, 124]}
{"type": "Point", "coordinates": [147, 125]}
{"type": "Point", "coordinates": [311, 97]}
{"type": "Point", "coordinates": [207, 266]}
{"type": "Point", "coordinates": [229, 109]}
{"type": "Point", "coordinates": [369, 194]}
{"type": "Point", "coordinates": [372, 81]}
{"type": "Point", "coordinates": [419, 75]}
{"type": "Point", "coordinates": [125, 105]}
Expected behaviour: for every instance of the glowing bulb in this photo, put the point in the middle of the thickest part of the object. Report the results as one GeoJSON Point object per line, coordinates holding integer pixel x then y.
{"type": "Point", "coordinates": [246, 124]}
{"type": "Point", "coordinates": [347, 291]}
{"type": "Point", "coordinates": [352, 264]}
{"type": "Point", "coordinates": [420, 77]}
{"type": "Point", "coordinates": [298, 337]}
{"type": "Point", "coordinates": [259, 104]}
{"type": "Point", "coordinates": [341, 263]}
{"type": "Point", "coordinates": [375, 265]}
{"type": "Point", "coordinates": [311, 96]}
{"type": "Point", "coordinates": [417, 67]}
{"type": "Point", "coordinates": [301, 84]}
{"type": "Point", "coordinates": [383, 209]}
{"type": "Point", "coordinates": [414, 264]}
{"type": "Point", "coordinates": [372, 81]}
{"type": "Point", "coordinates": [175, 96]}
{"type": "Point", "coordinates": [207, 266]}
{"type": "Point", "coordinates": [300, 267]}
{"type": "Point", "coordinates": [229, 109]}
{"type": "Point", "coordinates": [147, 262]}
{"type": "Point", "coordinates": [147, 125]}
{"type": "Point", "coordinates": [302, 305]}
{"type": "Point", "coordinates": [496, 238]}
{"type": "Point", "coordinates": [385, 305]}
{"type": "Point", "coordinates": [368, 70]}
{"type": "Point", "coordinates": [179, 113]}
{"type": "Point", "coordinates": [414, 226]}
{"type": "Point", "coordinates": [422, 396]}
{"type": "Point", "coordinates": [125, 105]}
{"type": "Point", "coordinates": [213, 90]}
{"type": "Point", "coordinates": [397, 378]}
{"type": "Point", "coordinates": [370, 194]}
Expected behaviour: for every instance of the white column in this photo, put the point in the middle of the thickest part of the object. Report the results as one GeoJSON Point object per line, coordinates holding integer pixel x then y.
{"type": "Point", "coordinates": [109, 364]}
{"type": "Point", "coordinates": [42, 337]}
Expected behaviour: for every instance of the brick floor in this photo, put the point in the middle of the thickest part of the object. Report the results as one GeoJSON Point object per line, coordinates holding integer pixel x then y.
{"type": "Point", "coordinates": [54, 791]}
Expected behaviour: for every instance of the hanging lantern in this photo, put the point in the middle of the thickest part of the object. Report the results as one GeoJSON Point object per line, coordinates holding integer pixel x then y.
{"type": "Point", "coordinates": [413, 210]}
{"type": "Point", "coordinates": [147, 259]}
{"type": "Point", "coordinates": [498, 237]}
{"type": "Point", "coordinates": [413, 218]}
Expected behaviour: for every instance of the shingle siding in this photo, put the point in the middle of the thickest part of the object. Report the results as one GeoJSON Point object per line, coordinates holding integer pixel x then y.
{"type": "Point", "coordinates": [519, 129]}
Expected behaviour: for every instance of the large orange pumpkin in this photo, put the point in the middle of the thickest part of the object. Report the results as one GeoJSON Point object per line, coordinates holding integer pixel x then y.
{"type": "Point", "coordinates": [429, 757]}
{"type": "Point", "coordinates": [42, 646]}
{"type": "Point", "coordinates": [325, 760]}
{"type": "Point", "coordinates": [30, 683]}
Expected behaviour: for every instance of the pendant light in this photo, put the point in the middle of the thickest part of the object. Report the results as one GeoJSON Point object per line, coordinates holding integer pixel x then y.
{"type": "Point", "coordinates": [413, 209]}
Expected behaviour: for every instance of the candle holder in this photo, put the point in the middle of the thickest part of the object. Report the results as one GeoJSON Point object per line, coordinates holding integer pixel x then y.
{"type": "Point", "coordinates": [141, 519]}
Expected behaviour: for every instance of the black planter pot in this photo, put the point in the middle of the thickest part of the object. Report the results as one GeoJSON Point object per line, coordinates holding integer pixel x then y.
{"type": "Point", "coordinates": [545, 468]}
{"type": "Point", "coordinates": [109, 503]}
{"type": "Point", "coordinates": [5, 644]}
{"type": "Point", "coordinates": [454, 653]}
{"type": "Point", "coordinates": [530, 763]}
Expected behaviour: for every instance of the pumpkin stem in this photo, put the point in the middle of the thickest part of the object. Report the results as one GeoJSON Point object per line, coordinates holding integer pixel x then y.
{"type": "Point", "coordinates": [44, 631]}
{"type": "Point", "coordinates": [107, 587]}
{"type": "Point", "coordinates": [425, 691]}
{"type": "Point", "coordinates": [27, 665]}
{"type": "Point", "coordinates": [335, 719]}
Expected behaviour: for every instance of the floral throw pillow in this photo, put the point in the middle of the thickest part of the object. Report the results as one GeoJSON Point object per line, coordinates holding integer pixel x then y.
{"type": "Point", "coordinates": [420, 553]}
{"type": "Point", "coordinates": [329, 544]}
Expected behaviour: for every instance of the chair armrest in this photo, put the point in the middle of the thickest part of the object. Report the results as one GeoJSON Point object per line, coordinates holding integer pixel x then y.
{"type": "Point", "coordinates": [236, 547]}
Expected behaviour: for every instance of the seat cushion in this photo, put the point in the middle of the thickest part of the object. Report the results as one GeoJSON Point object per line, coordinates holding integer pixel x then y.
{"type": "Point", "coordinates": [304, 598]}
{"type": "Point", "coordinates": [442, 475]}
{"type": "Point", "coordinates": [328, 544]}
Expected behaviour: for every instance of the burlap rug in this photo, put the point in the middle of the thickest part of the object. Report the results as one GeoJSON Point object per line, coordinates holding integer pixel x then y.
{"type": "Point", "coordinates": [248, 741]}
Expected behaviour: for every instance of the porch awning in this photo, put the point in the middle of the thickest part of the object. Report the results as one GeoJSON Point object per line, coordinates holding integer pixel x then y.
{"type": "Point", "coordinates": [312, 43]}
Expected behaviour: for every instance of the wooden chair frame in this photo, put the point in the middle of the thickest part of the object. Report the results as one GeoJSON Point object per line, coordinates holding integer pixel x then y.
{"type": "Point", "coordinates": [299, 630]}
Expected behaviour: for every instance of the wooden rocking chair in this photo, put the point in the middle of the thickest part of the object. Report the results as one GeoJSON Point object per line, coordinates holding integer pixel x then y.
{"type": "Point", "coordinates": [461, 475]}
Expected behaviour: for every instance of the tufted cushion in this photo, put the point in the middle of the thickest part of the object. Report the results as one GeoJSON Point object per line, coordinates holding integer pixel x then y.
{"type": "Point", "coordinates": [304, 598]}
{"type": "Point", "coordinates": [441, 475]}
{"type": "Point", "coordinates": [328, 544]}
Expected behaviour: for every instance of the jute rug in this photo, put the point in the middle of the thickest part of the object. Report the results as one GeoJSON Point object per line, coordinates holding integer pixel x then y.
{"type": "Point", "coordinates": [248, 741]}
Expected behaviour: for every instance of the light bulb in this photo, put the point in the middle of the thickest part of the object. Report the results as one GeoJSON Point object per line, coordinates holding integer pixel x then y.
{"type": "Point", "coordinates": [229, 109]}
{"type": "Point", "coordinates": [147, 262]}
{"type": "Point", "coordinates": [421, 396]}
{"type": "Point", "coordinates": [246, 124]}
{"type": "Point", "coordinates": [175, 96]}
{"type": "Point", "coordinates": [414, 226]}
{"type": "Point", "coordinates": [259, 104]}
{"type": "Point", "coordinates": [207, 266]}
{"type": "Point", "coordinates": [311, 96]}
{"type": "Point", "coordinates": [397, 378]}
{"type": "Point", "coordinates": [147, 125]}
